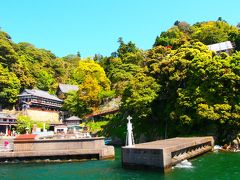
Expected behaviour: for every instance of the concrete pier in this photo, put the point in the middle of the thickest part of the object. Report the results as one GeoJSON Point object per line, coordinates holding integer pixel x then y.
{"type": "Point", "coordinates": [82, 148]}
{"type": "Point", "coordinates": [163, 154]}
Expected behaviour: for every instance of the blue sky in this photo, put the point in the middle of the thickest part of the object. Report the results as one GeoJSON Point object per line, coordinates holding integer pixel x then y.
{"type": "Point", "coordinates": [94, 26]}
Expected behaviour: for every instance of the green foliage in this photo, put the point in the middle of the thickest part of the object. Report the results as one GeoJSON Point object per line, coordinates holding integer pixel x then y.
{"type": "Point", "coordinates": [8, 54]}
{"type": "Point", "coordinates": [24, 123]}
{"type": "Point", "coordinates": [23, 71]}
{"type": "Point", "coordinates": [33, 67]}
{"type": "Point", "coordinates": [234, 37]}
{"type": "Point", "coordinates": [174, 37]}
{"type": "Point", "coordinates": [40, 68]}
{"type": "Point", "coordinates": [96, 127]}
{"type": "Point", "coordinates": [206, 32]}
{"type": "Point", "coordinates": [116, 127]}
{"type": "Point", "coordinates": [212, 32]}
{"type": "Point", "coordinates": [178, 87]}
{"type": "Point", "coordinates": [9, 86]}
{"type": "Point", "coordinates": [121, 74]}
{"type": "Point", "coordinates": [75, 105]}
{"type": "Point", "coordinates": [40, 124]}
{"type": "Point", "coordinates": [198, 88]}
{"type": "Point", "coordinates": [125, 49]}
{"type": "Point", "coordinates": [153, 57]}
{"type": "Point", "coordinates": [89, 91]}
{"type": "Point", "coordinates": [138, 96]}
{"type": "Point", "coordinates": [137, 100]}
{"type": "Point", "coordinates": [45, 80]}
{"type": "Point", "coordinates": [89, 69]}
{"type": "Point", "coordinates": [93, 89]}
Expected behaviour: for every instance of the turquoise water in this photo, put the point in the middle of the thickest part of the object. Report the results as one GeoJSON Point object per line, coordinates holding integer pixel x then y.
{"type": "Point", "coordinates": [220, 166]}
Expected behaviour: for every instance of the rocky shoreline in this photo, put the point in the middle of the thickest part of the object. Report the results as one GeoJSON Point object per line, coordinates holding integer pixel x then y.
{"type": "Point", "coordinates": [233, 146]}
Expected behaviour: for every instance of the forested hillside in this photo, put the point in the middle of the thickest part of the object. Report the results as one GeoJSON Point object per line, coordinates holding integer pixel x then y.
{"type": "Point", "coordinates": [178, 87]}
{"type": "Point", "coordinates": [25, 66]}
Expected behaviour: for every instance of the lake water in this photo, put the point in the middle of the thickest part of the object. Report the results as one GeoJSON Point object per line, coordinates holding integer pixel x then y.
{"type": "Point", "coordinates": [219, 166]}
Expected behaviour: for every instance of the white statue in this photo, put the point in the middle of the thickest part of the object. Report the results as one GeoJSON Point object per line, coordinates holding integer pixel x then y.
{"type": "Point", "coordinates": [129, 138]}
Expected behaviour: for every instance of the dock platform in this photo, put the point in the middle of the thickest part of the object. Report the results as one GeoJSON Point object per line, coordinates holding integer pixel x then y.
{"type": "Point", "coordinates": [163, 154]}
{"type": "Point", "coordinates": [82, 148]}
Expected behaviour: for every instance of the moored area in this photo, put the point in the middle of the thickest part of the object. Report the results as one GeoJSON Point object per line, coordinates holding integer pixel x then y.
{"type": "Point", "coordinates": [29, 147]}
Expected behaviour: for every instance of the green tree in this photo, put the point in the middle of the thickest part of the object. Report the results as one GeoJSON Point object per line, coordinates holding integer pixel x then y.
{"type": "Point", "coordinates": [23, 71]}
{"type": "Point", "coordinates": [152, 59]}
{"type": "Point", "coordinates": [234, 37]}
{"type": "Point", "coordinates": [172, 38]}
{"type": "Point", "coordinates": [75, 105]}
{"type": "Point", "coordinates": [45, 80]}
{"type": "Point", "coordinates": [198, 88]}
{"type": "Point", "coordinates": [121, 73]}
{"type": "Point", "coordinates": [8, 54]}
{"type": "Point", "coordinates": [9, 86]}
{"type": "Point", "coordinates": [40, 68]}
{"type": "Point", "coordinates": [40, 124]}
{"type": "Point", "coordinates": [24, 123]}
{"type": "Point", "coordinates": [137, 100]}
{"type": "Point", "coordinates": [94, 87]}
{"type": "Point", "coordinates": [89, 91]}
{"type": "Point", "coordinates": [212, 32]}
{"type": "Point", "coordinates": [124, 48]}
{"type": "Point", "coordinates": [88, 68]}
{"type": "Point", "coordinates": [139, 95]}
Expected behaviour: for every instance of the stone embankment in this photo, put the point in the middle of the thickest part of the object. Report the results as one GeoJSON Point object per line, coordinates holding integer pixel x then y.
{"type": "Point", "coordinates": [29, 147]}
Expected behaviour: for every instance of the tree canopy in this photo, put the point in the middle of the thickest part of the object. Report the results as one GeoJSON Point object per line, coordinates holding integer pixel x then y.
{"type": "Point", "coordinates": [209, 32]}
{"type": "Point", "coordinates": [25, 66]}
{"type": "Point", "coordinates": [94, 87]}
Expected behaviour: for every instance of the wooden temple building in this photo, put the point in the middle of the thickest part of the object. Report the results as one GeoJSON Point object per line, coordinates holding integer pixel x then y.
{"type": "Point", "coordinates": [38, 99]}
{"type": "Point", "coordinates": [40, 106]}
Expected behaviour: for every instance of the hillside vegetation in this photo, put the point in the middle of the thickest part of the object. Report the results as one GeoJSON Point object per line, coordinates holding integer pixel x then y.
{"type": "Point", "coordinates": [176, 88]}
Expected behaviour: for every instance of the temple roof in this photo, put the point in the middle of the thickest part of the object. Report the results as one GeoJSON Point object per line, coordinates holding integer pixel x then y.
{"type": "Point", "coordinates": [39, 93]}
{"type": "Point", "coordinates": [227, 45]}
{"type": "Point", "coordinates": [7, 116]}
{"type": "Point", "coordinates": [65, 88]}
{"type": "Point", "coordinates": [73, 118]}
